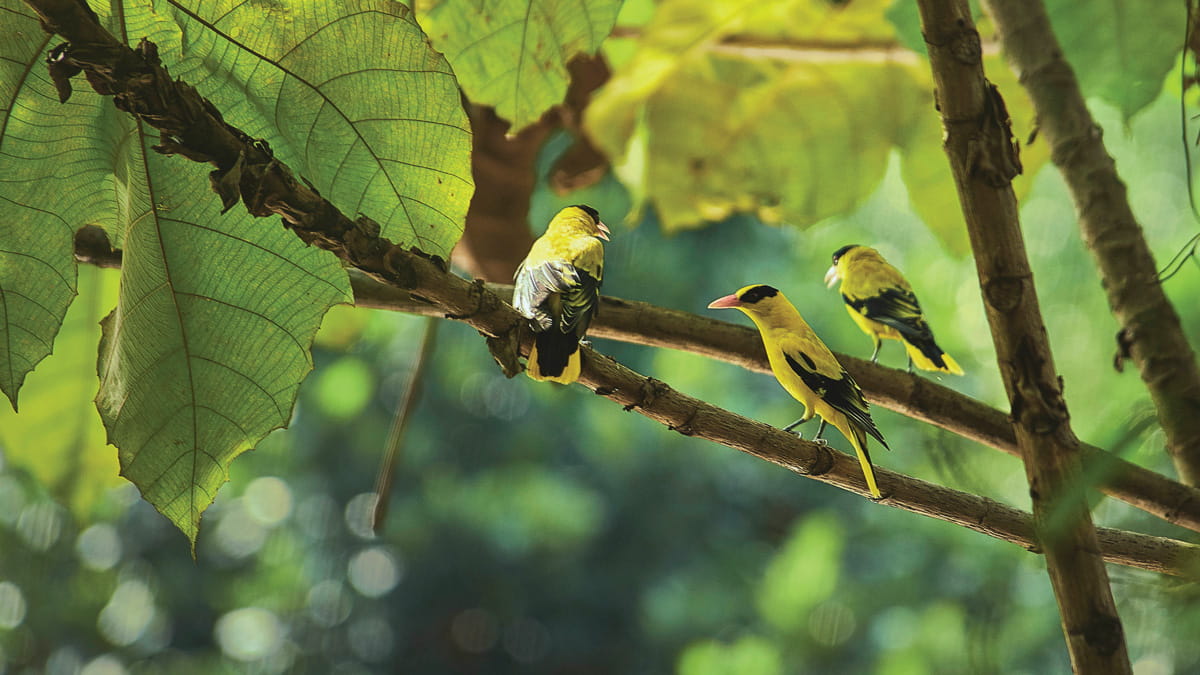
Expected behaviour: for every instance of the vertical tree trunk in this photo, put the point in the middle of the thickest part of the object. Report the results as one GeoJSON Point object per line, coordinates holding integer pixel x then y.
{"type": "Point", "coordinates": [983, 158]}
{"type": "Point", "coordinates": [1151, 333]}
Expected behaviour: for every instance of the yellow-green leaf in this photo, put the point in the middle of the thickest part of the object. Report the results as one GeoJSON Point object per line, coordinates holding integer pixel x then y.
{"type": "Point", "coordinates": [513, 55]}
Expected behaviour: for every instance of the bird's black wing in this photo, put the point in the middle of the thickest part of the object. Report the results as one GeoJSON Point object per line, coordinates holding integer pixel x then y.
{"type": "Point", "coordinates": [842, 393]}
{"type": "Point", "coordinates": [895, 307]}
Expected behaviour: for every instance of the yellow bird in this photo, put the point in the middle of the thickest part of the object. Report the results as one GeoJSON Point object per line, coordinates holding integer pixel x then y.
{"type": "Point", "coordinates": [882, 303]}
{"type": "Point", "coordinates": [557, 287]}
{"type": "Point", "coordinates": [808, 370]}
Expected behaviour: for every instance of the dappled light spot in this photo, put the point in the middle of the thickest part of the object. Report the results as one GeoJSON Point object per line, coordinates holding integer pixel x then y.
{"type": "Point", "coordinates": [128, 613]}
{"type": "Point", "coordinates": [527, 640]}
{"type": "Point", "coordinates": [329, 604]}
{"type": "Point", "coordinates": [1154, 664]}
{"type": "Point", "coordinates": [371, 639]}
{"type": "Point", "coordinates": [12, 499]}
{"type": "Point", "coordinates": [475, 630]}
{"type": "Point", "coordinates": [249, 634]}
{"type": "Point", "coordinates": [317, 516]}
{"type": "Point", "coordinates": [238, 535]}
{"type": "Point", "coordinates": [99, 547]}
{"type": "Point", "coordinates": [831, 623]}
{"type": "Point", "coordinates": [64, 660]}
{"type": "Point", "coordinates": [106, 664]}
{"type": "Point", "coordinates": [895, 628]}
{"type": "Point", "coordinates": [374, 572]}
{"type": "Point", "coordinates": [12, 605]}
{"type": "Point", "coordinates": [488, 395]}
{"type": "Point", "coordinates": [359, 513]}
{"type": "Point", "coordinates": [268, 500]}
{"type": "Point", "coordinates": [40, 524]}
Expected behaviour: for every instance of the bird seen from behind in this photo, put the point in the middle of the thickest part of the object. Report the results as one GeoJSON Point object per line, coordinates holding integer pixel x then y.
{"type": "Point", "coordinates": [808, 371]}
{"type": "Point", "coordinates": [557, 287]}
{"type": "Point", "coordinates": [882, 303]}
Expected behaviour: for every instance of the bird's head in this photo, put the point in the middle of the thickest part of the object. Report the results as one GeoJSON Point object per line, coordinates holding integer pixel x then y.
{"type": "Point", "coordinates": [753, 299]}
{"type": "Point", "coordinates": [580, 219]}
{"type": "Point", "coordinates": [841, 258]}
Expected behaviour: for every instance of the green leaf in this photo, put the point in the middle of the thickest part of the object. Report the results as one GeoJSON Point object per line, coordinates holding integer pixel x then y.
{"type": "Point", "coordinates": [38, 138]}
{"type": "Point", "coordinates": [1121, 50]}
{"type": "Point", "coordinates": [210, 340]}
{"type": "Point", "coordinates": [58, 436]}
{"type": "Point", "coordinates": [513, 55]}
{"type": "Point", "coordinates": [751, 655]}
{"type": "Point", "coordinates": [803, 574]}
{"type": "Point", "coordinates": [926, 169]}
{"type": "Point", "coordinates": [702, 128]}
{"type": "Point", "coordinates": [349, 94]}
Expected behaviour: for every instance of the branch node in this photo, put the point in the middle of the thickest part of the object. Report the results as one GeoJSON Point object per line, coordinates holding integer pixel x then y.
{"type": "Point", "coordinates": [650, 390]}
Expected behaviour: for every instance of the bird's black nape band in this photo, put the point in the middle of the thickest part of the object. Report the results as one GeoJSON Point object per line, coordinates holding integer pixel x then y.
{"type": "Point", "coordinates": [756, 293]}
{"type": "Point", "coordinates": [842, 251]}
{"type": "Point", "coordinates": [588, 210]}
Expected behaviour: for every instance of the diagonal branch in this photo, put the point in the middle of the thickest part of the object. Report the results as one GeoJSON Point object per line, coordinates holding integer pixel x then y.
{"type": "Point", "coordinates": [142, 86]}
{"type": "Point", "coordinates": [916, 397]}
{"type": "Point", "coordinates": [983, 159]}
{"type": "Point", "coordinates": [1150, 333]}
{"type": "Point", "coordinates": [910, 395]}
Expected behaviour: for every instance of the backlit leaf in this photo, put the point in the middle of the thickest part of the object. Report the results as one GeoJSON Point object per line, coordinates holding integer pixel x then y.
{"type": "Point", "coordinates": [513, 55]}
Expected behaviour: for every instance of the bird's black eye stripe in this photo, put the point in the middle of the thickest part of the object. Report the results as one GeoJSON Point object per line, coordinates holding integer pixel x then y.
{"type": "Point", "coordinates": [756, 293]}
{"type": "Point", "coordinates": [841, 252]}
{"type": "Point", "coordinates": [589, 210]}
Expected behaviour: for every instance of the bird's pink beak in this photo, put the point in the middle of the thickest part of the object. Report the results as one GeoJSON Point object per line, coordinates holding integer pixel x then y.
{"type": "Point", "coordinates": [603, 231]}
{"type": "Point", "coordinates": [726, 302]}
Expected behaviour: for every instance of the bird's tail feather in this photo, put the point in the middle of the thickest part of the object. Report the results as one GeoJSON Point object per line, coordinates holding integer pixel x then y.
{"type": "Point", "coordinates": [859, 440]}
{"type": "Point", "coordinates": [554, 357]}
{"type": "Point", "coordinates": [926, 355]}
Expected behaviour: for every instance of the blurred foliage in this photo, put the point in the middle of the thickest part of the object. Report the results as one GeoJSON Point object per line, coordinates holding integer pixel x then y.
{"type": "Point", "coordinates": [790, 110]}
{"type": "Point", "coordinates": [539, 529]}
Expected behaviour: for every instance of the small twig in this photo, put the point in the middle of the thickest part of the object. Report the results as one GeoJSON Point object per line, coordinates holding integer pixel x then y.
{"type": "Point", "coordinates": [395, 439]}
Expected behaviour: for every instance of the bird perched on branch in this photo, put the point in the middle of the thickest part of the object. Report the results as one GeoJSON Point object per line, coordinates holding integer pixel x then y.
{"type": "Point", "coordinates": [882, 303]}
{"type": "Point", "coordinates": [808, 370]}
{"type": "Point", "coordinates": [557, 287]}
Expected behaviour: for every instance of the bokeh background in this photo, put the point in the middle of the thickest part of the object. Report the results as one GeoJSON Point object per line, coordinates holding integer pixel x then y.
{"type": "Point", "coordinates": [541, 529]}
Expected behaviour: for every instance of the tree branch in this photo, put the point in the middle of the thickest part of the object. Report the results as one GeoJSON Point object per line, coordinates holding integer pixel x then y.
{"type": "Point", "coordinates": [142, 86]}
{"type": "Point", "coordinates": [1151, 333]}
{"type": "Point", "coordinates": [911, 395]}
{"type": "Point", "coordinates": [983, 159]}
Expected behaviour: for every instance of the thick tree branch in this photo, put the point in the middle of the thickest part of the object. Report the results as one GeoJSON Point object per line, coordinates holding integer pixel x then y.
{"type": "Point", "coordinates": [140, 85]}
{"type": "Point", "coordinates": [911, 395]}
{"type": "Point", "coordinates": [1150, 330]}
{"type": "Point", "coordinates": [983, 159]}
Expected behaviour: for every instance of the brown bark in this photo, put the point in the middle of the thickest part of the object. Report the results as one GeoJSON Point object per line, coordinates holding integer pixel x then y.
{"type": "Point", "coordinates": [983, 160]}
{"type": "Point", "coordinates": [142, 87]}
{"type": "Point", "coordinates": [911, 395]}
{"type": "Point", "coordinates": [1150, 333]}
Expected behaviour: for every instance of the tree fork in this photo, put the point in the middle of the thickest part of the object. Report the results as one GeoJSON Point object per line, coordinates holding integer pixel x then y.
{"type": "Point", "coordinates": [983, 159]}
{"type": "Point", "coordinates": [1151, 334]}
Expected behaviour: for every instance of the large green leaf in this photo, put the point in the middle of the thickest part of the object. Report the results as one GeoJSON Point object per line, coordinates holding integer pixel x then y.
{"type": "Point", "coordinates": [58, 436]}
{"type": "Point", "coordinates": [1121, 49]}
{"type": "Point", "coordinates": [790, 110]}
{"type": "Point", "coordinates": [703, 129]}
{"type": "Point", "coordinates": [210, 340]}
{"type": "Point", "coordinates": [513, 55]}
{"type": "Point", "coordinates": [349, 94]}
{"type": "Point", "coordinates": [48, 187]}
